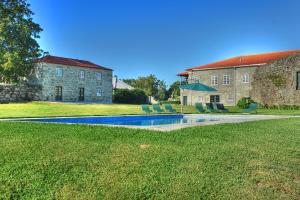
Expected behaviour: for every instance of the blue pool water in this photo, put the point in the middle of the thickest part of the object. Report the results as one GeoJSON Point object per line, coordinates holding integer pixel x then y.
{"type": "Point", "coordinates": [151, 120]}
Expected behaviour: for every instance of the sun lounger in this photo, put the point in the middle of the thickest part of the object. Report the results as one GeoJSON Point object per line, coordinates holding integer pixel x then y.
{"type": "Point", "coordinates": [157, 108]}
{"type": "Point", "coordinates": [252, 108]}
{"type": "Point", "coordinates": [169, 108]}
{"type": "Point", "coordinates": [146, 108]}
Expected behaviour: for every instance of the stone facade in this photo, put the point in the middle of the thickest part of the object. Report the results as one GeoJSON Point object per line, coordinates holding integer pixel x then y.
{"type": "Point", "coordinates": [96, 89]}
{"type": "Point", "coordinates": [229, 92]}
{"type": "Point", "coordinates": [19, 93]}
{"type": "Point", "coordinates": [276, 83]}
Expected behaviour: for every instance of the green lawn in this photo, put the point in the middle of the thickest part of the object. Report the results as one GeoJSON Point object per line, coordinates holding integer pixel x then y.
{"type": "Point", "coordinates": [43, 109]}
{"type": "Point", "coordinates": [252, 160]}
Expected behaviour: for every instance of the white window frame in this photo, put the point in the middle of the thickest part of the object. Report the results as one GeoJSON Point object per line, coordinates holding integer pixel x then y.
{"type": "Point", "coordinates": [99, 92]}
{"type": "Point", "coordinates": [214, 80]}
{"type": "Point", "coordinates": [59, 72]}
{"type": "Point", "coordinates": [200, 99]}
{"type": "Point", "coordinates": [98, 75]}
{"type": "Point", "coordinates": [230, 98]}
{"type": "Point", "coordinates": [226, 79]}
{"type": "Point", "coordinates": [82, 74]}
{"type": "Point", "coordinates": [246, 78]}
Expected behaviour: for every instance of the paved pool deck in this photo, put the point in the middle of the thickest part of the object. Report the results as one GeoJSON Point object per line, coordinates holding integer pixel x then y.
{"type": "Point", "coordinates": [224, 119]}
{"type": "Point", "coordinates": [210, 119]}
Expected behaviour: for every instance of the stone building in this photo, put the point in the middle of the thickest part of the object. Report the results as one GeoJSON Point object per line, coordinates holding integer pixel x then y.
{"type": "Point", "coordinates": [244, 76]}
{"type": "Point", "coordinates": [72, 80]}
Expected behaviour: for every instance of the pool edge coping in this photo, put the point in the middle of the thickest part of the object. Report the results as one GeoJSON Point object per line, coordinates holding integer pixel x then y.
{"type": "Point", "coordinates": [160, 128]}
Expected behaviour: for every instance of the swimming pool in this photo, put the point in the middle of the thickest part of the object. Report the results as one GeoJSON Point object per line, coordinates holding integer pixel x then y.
{"type": "Point", "coordinates": [142, 120]}
{"type": "Point", "coordinates": [154, 122]}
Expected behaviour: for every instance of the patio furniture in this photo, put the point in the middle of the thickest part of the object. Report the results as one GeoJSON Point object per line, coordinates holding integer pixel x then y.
{"type": "Point", "coordinates": [252, 108]}
{"type": "Point", "coordinates": [219, 107]}
{"type": "Point", "coordinates": [146, 108]}
{"type": "Point", "coordinates": [157, 108]}
{"type": "Point", "coordinates": [169, 108]}
{"type": "Point", "coordinates": [209, 107]}
{"type": "Point", "coordinates": [199, 107]}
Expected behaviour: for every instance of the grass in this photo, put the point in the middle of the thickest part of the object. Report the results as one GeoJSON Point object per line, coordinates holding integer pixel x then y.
{"type": "Point", "coordinates": [45, 109]}
{"type": "Point", "coordinates": [252, 160]}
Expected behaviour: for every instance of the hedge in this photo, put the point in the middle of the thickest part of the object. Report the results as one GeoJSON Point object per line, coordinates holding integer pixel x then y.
{"type": "Point", "coordinates": [134, 96]}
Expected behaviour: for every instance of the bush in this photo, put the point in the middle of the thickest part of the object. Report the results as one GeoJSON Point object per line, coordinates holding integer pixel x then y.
{"type": "Point", "coordinates": [245, 102]}
{"type": "Point", "coordinates": [281, 107]}
{"type": "Point", "coordinates": [135, 96]}
{"type": "Point", "coordinates": [170, 102]}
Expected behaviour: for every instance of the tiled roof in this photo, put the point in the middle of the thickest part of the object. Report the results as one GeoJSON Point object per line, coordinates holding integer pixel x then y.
{"type": "Point", "coordinates": [70, 62]}
{"type": "Point", "coordinates": [247, 60]}
{"type": "Point", "coordinates": [182, 74]}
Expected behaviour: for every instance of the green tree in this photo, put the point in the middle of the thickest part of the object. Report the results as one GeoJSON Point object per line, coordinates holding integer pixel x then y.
{"type": "Point", "coordinates": [149, 84]}
{"type": "Point", "coordinates": [18, 45]}
{"type": "Point", "coordinates": [161, 91]}
{"type": "Point", "coordinates": [130, 82]}
{"type": "Point", "coordinates": [174, 91]}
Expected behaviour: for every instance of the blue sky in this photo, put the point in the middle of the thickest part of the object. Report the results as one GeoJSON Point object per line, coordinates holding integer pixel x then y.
{"type": "Point", "coordinates": [163, 37]}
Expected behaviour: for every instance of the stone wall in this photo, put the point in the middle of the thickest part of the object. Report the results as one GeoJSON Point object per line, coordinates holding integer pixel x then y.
{"type": "Point", "coordinates": [19, 93]}
{"type": "Point", "coordinates": [70, 81]}
{"type": "Point", "coordinates": [229, 93]}
{"type": "Point", "coordinates": [275, 83]}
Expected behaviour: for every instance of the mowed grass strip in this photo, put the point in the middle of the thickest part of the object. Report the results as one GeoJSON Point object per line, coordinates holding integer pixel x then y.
{"type": "Point", "coordinates": [252, 160]}
{"type": "Point", "coordinates": [47, 109]}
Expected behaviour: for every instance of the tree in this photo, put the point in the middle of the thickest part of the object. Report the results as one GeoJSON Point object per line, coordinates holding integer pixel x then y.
{"type": "Point", "coordinates": [130, 82]}
{"type": "Point", "coordinates": [161, 91]}
{"type": "Point", "coordinates": [18, 45]}
{"type": "Point", "coordinates": [152, 86]}
{"type": "Point", "coordinates": [149, 84]}
{"type": "Point", "coordinates": [174, 91]}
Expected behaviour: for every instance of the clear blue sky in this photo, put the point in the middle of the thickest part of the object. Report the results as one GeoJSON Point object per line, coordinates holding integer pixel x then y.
{"type": "Point", "coordinates": [163, 37]}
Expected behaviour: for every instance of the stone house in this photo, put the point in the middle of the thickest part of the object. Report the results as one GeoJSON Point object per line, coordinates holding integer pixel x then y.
{"type": "Point", "coordinates": [72, 80]}
{"type": "Point", "coordinates": [244, 76]}
{"type": "Point", "coordinates": [120, 84]}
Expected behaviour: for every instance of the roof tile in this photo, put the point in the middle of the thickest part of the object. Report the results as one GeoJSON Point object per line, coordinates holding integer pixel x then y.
{"type": "Point", "coordinates": [70, 62]}
{"type": "Point", "coordinates": [247, 60]}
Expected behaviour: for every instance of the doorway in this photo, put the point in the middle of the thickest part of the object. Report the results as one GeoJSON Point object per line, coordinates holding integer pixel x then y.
{"type": "Point", "coordinates": [185, 100]}
{"type": "Point", "coordinates": [214, 98]}
{"type": "Point", "coordinates": [81, 94]}
{"type": "Point", "coordinates": [58, 93]}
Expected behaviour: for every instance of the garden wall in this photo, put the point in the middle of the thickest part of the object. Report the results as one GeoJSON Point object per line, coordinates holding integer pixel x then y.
{"type": "Point", "coordinates": [275, 83]}
{"type": "Point", "coordinates": [19, 93]}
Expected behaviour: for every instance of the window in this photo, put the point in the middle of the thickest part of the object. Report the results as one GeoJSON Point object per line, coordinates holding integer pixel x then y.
{"type": "Point", "coordinates": [230, 98]}
{"type": "Point", "coordinates": [214, 98]}
{"type": "Point", "coordinates": [81, 74]}
{"type": "Point", "coordinates": [298, 81]}
{"type": "Point", "coordinates": [98, 75]}
{"type": "Point", "coordinates": [226, 79]}
{"type": "Point", "coordinates": [246, 78]}
{"type": "Point", "coordinates": [196, 79]}
{"type": "Point", "coordinates": [200, 99]}
{"type": "Point", "coordinates": [99, 92]}
{"type": "Point", "coordinates": [214, 80]}
{"type": "Point", "coordinates": [58, 93]}
{"type": "Point", "coordinates": [59, 71]}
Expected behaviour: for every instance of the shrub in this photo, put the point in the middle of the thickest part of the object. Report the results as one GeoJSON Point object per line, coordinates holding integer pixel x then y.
{"type": "Point", "coordinates": [245, 102]}
{"type": "Point", "coordinates": [281, 107]}
{"type": "Point", "coordinates": [135, 96]}
{"type": "Point", "coordinates": [170, 102]}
